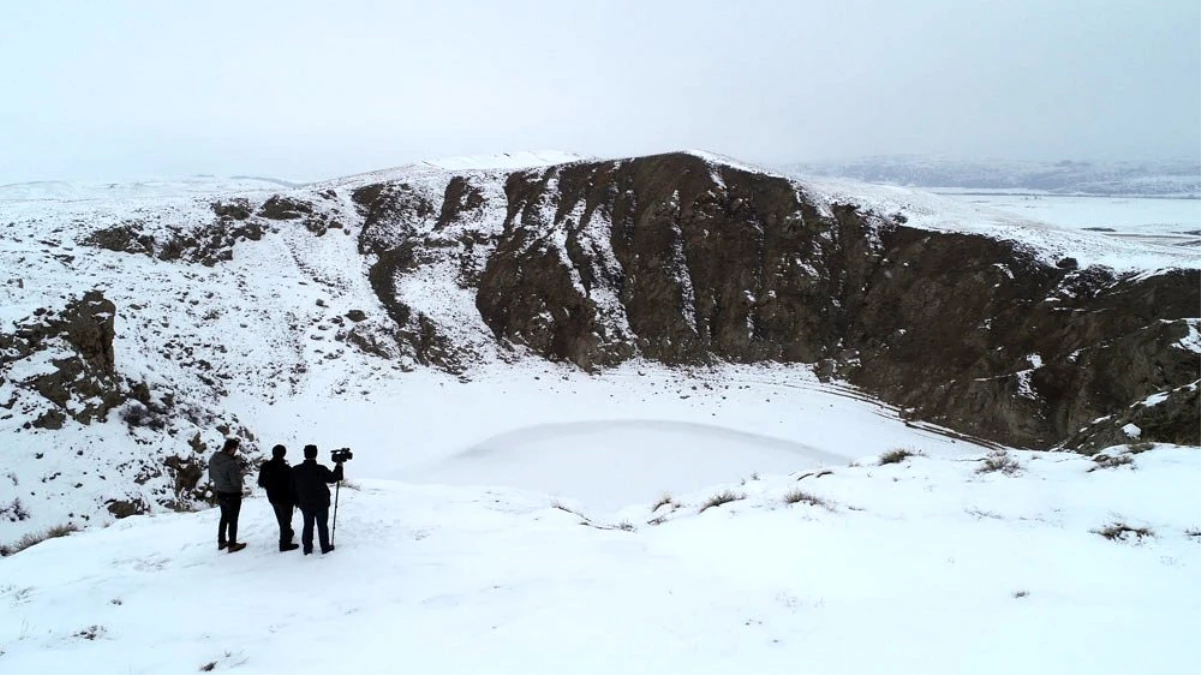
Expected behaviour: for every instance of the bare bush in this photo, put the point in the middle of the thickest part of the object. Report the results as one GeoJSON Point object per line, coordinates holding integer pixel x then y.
{"type": "Point", "coordinates": [665, 500]}
{"type": "Point", "coordinates": [1123, 532]}
{"type": "Point", "coordinates": [724, 497]}
{"type": "Point", "coordinates": [999, 460]}
{"type": "Point", "coordinates": [91, 632]}
{"type": "Point", "coordinates": [1139, 448]}
{"type": "Point", "coordinates": [896, 456]}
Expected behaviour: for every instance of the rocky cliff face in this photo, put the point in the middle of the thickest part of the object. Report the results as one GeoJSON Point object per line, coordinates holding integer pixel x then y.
{"type": "Point", "coordinates": [682, 260]}
{"type": "Point", "coordinates": [58, 368]}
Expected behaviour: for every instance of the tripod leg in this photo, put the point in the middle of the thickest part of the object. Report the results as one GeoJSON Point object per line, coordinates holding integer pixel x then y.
{"type": "Point", "coordinates": [334, 530]}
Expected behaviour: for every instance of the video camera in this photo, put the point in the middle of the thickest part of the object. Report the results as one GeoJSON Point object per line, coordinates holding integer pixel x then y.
{"type": "Point", "coordinates": [341, 455]}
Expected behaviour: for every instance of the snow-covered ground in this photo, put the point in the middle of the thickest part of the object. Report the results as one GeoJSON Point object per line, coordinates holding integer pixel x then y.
{"type": "Point", "coordinates": [922, 566]}
{"type": "Point", "coordinates": [1172, 222]}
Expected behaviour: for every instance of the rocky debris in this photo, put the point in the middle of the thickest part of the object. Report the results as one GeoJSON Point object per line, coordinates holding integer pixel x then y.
{"type": "Point", "coordinates": [317, 221]}
{"type": "Point", "coordinates": [233, 209]}
{"type": "Point", "coordinates": [124, 508]}
{"type": "Point", "coordinates": [128, 237]}
{"type": "Point", "coordinates": [279, 207]}
{"type": "Point", "coordinates": [208, 244]}
{"type": "Point", "coordinates": [356, 315]}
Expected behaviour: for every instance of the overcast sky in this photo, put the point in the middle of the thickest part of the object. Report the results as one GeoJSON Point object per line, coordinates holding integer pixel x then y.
{"type": "Point", "coordinates": [304, 89]}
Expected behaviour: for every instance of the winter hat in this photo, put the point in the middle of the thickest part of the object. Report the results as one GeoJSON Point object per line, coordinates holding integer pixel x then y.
{"type": "Point", "coordinates": [279, 451]}
{"type": "Point", "coordinates": [310, 451]}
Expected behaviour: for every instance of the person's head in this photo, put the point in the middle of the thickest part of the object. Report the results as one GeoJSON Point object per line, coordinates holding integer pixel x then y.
{"type": "Point", "coordinates": [231, 445]}
{"type": "Point", "coordinates": [279, 451]}
{"type": "Point", "coordinates": [310, 451]}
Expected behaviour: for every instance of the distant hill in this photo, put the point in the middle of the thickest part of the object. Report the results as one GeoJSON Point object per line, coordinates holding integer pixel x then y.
{"type": "Point", "coordinates": [1179, 178]}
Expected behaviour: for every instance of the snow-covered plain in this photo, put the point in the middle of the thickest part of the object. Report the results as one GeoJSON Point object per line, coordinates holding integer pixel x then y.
{"type": "Point", "coordinates": [515, 519]}
{"type": "Point", "coordinates": [1172, 222]}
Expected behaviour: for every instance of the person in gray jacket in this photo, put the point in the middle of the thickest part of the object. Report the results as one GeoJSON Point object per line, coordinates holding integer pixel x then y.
{"type": "Point", "coordinates": [226, 474]}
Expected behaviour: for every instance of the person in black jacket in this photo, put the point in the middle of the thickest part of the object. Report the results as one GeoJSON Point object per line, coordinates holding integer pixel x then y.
{"type": "Point", "coordinates": [310, 484]}
{"type": "Point", "coordinates": [275, 477]}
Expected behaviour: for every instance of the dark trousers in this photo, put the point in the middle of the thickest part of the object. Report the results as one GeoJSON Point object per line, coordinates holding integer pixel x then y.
{"type": "Point", "coordinates": [231, 506]}
{"type": "Point", "coordinates": [321, 516]}
{"type": "Point", "coordinates": [283, 516]}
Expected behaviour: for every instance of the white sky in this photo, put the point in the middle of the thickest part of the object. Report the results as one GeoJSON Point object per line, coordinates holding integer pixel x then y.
{"type": "Point", "coordinates": [305, 89]}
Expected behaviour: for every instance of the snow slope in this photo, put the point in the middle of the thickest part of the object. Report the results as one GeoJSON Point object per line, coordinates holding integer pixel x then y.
{"type": "Point", "coordinates": [923, 566]}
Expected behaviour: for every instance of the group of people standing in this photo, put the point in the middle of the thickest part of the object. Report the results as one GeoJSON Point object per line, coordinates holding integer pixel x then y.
{"type": "Point", "coordinates": [305, 485]}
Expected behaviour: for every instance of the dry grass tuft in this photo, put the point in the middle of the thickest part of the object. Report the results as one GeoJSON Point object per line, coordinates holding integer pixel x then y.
{"type": "Point", "coordinates": [724, 497]}
{"type": "Point", "coordinates": [802, 497]}
{"type": "Point", "coordinates": [35, 538]}
{"type": "Point", "coordinates": [999, 460]}
{"type": "Point", "coordinates": [896, 456]}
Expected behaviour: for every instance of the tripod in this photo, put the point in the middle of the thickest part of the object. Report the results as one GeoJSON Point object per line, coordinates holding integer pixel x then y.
{"type": "Point", "coordinates": [334, 527]}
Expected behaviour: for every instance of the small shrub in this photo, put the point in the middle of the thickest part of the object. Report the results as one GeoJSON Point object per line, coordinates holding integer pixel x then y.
{"type": "Point", "coordinates": [91, 632]}
{"type": "Point", "coordinates": [800, 496]}
{"type": "Point", "coordinates": [981, 514]}
{"type": "Point", "coordinates": [208, 667]}
{"type": "Point", "coordinates": [626, 526]}
{"type": "Point", "coordinates": [1111, 461]}
{"type": "Point", "coordinates": [1021, 594]}
{"type": "Point", "coordinates": [724, 497]}
{"type": "Point", "coordinates": [1139, 448]}
{"type": "Point", "coordinates": [1194, 533]}
{"type": "Point", "coordinates": [658, 520]}
{"type": "Point", "coordinates": [1122, 532]}
{"type": "Point", "coordinates": [665, 500]}
{"type": "Point", "coordinates": [896, 456]}
{"type": "Point", "coordinates": [999, 460]}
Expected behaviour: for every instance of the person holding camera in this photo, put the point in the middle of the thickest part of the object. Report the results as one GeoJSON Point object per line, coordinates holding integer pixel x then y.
{"type": "Point", "coordinates": [275, 477]}
{"type": "Point", "coordinates": [310, 484]}
{"type": "Point", "coordinates": [226, 474]}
